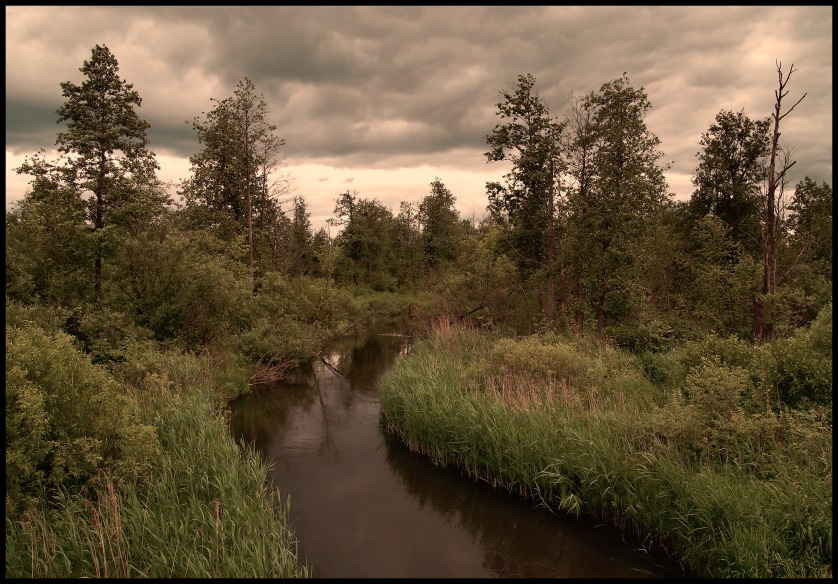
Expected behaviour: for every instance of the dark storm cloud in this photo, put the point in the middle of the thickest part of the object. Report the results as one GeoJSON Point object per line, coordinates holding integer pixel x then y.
{"type": "Point", "coordinates": [402, 85]}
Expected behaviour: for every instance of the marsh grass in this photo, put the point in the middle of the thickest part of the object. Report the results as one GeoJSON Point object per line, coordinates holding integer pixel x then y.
{"type": "Point", "coordinates": [205, 513]}
{"type": "Point", "coordinates": [581, 429]}
{"type": "Point", "coordinates": [201, 509]}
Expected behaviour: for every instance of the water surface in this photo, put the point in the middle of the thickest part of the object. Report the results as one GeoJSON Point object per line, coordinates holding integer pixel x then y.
{"type": "Point", "coordinates": [362, 505]}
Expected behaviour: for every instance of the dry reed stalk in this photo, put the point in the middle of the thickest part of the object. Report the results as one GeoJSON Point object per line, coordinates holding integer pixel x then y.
{"type": "Point", "coordinates": [217, 507]}
{"type": "Point", "coordinates": [592, 399]}
{"type": "Point", "coordinates": [94, 524]}
{"type": "Point", "coordinates": [29, 525]}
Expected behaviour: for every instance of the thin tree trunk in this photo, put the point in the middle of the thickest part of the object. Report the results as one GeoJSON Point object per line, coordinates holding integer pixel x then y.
{"type": "Point", "coordinates": [600, 319]}
{"type": "Point", "coordinates": [550, 253]}
{"type": "Point", "coordinates": [578, 316]}
{"type": "Point", "coordinates": [100, 223]}
{"type": "Point", "coordinates": [247, 183]}
{"type": "Point", "coordinates": [769, 264]}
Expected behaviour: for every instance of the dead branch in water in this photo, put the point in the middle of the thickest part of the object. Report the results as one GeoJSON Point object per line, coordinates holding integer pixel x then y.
{"type": "Point", "coordinates": [268, 370]}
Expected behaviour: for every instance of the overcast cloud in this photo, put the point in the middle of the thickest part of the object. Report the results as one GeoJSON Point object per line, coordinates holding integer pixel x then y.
{"type": "Point", "coordinates": [383, 100]}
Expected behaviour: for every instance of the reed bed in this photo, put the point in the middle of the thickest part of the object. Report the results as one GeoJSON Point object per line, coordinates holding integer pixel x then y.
{"type": "Point", "coordinates": [580, 429]}
{"type": "Point", "coordinates": [203, 511]}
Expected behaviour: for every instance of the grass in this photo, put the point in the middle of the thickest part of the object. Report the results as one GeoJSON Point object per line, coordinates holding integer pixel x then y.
{"type": "Point", "coordinates": [203, 511]}
{"type": "Point", "coordinates": [728, 493]}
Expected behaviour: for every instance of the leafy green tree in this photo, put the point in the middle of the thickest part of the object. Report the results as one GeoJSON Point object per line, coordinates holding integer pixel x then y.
{"type": "Point", "coordinates": [730, 173]}
{"type": "Point", "coordinates": [407, 244]}
{"type": "Point", "coordinates": [625, 192]}
{"type": "Point", "coordinates": [810, 223]}
{"type": "Point", "coordinates": [301, 246]}
{"type": "Point", "coordinates": [48, 246]}
{"type": "Point", "coordinates": [186, 286]}
{"type": "Point", "coordinates": [440, 226]}
{"type": "Point", "coordinates": [529, 139]}
{"type": "Point", "coordinates": [230, 174]}
{"type": "Point", "coordinates": [366, 239]}
{"type": "Point", "coordinates": [106, 145]}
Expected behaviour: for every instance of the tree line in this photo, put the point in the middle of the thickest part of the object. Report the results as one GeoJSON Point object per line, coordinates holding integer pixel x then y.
{"type": "Point", "coordinates": [581, 235]}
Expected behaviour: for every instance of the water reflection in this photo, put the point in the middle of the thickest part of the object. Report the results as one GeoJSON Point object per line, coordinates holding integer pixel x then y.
{"type": "Point", "coordinates": [364, 506]}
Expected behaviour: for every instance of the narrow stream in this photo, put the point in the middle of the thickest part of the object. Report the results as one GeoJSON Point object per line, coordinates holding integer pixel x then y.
{"type": "Point", "coordinates": [362, 505]}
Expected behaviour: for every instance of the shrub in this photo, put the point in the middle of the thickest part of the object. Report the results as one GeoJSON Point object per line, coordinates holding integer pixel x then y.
{"type": "Point", "coordinates": [51, 319]}
{"type": "Point", "coordinates": [800, 368]}
{"type": "Point", "coordinates": [107, 335]}
{"type": "Point", "coordinates": [66, 419]}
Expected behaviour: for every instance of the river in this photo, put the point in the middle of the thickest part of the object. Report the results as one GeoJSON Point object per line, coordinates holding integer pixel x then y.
{"type": "Point", "coordinates": [362, 505]}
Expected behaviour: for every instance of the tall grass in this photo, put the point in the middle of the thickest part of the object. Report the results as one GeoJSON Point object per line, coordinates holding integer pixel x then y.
{"type": "Point", "coordinates": [200, 508]}
{"type": "Point", "coordinates": [581, 429]}
{"type": "Point", "coordinates": [204, 513]}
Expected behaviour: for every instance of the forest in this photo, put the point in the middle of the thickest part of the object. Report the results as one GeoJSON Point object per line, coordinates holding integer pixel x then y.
{"type": "Point", "coordinates": [672, 359]}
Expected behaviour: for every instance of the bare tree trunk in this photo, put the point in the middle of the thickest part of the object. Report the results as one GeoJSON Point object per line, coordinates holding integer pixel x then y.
{"type": "Point", "coordinates": [769, 267]}
{"type": "Point", "coordinates": [578, 316]}
{"type": "Point", "coordinates": [551, 303]}
{"type": "Point", "coordinates": [600, 319]}
{"type": "Point", "coordinates": [100, 223]}
{"type": "Point", "coordinates": [247, 183]}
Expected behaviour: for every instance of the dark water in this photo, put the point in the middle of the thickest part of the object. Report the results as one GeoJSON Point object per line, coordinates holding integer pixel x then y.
{"type": "Point", "coordinates": [362, 505]}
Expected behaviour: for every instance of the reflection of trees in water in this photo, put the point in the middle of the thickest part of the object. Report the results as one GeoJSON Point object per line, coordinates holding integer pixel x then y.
{"type": "Point", "coordinates": [256, 416]}
{"type": "Point", "coordinates": [517, 540]}
{"type": "Point", "coordinates": [368, 361]}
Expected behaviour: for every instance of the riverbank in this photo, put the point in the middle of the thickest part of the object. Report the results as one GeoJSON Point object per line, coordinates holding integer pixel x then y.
{"type": "Point", "coordinates": [143, 478]}
{"type": "Point", "coordinates": [695, 464]}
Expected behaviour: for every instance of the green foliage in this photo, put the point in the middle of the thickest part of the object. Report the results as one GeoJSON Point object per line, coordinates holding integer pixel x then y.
{"type": "Point", "coordinates": [441, 225]}
{"type": "Point", "coordinates": [204, 512]}
{"type": "Point", "coordinates": [106, 335]}
{"type": "Point", "coordinates": [729, 351]}
{"type": "Point", "coordinates": [727, 491]}
{"type": "Point", "coordinates": [48, 244]}
{"type": "Point", "coordinates": [724, 278]}
{"type": "Point", "coordinates": [290, 316]}
{"type": "Point", "coordinates": [528, 138]}
{"type": "Point", "coordinates": [366, 241]}
{"type": "Point", "coordinates": [66, 420]}
{"type": "Point", "coordinates": [800, 368]}
{"type": "Point", "coordinates": [51, 319]}
{"type": "Point", "coordinates": [730, 173]}
{"type": "Point", "coordinates": [180, 288]}
{"type": "Point", "coordinates": [716, 391]}
{"type": "Point", "coordinates": [811, 224]}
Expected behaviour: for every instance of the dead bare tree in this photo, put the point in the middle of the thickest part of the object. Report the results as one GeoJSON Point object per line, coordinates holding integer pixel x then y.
{"type": "Point", "coordinates": [775, 178]}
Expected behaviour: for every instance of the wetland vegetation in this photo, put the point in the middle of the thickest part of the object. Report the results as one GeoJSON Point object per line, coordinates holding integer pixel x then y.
{"type": "Point", "coordinates": [589, 344]}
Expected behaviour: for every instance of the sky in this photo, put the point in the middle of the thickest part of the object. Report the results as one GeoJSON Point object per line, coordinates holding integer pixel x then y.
{"type": "Point", "coordinates": [383, 100]}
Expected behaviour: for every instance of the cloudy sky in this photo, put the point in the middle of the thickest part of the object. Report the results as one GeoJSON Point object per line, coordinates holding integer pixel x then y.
{"type": "Point", "coordinates": [383, 100]}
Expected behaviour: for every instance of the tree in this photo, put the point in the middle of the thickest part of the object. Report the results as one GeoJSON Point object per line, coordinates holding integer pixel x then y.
{"type": "Point", "coordinates": [529, 139]}
{"type": "Point", "coordinates": [366, 239]}
{"type": "Point", "coordinates": [440, 226]}
{"type": "Point", "coordinates": [105, 142]}
{"type": "Point", "coordinates": [301, 240]}
{"type": "Point", "coordinates": [730, 173]}
{"type": "Point", "coordinates": [238, 145]}
{"type": "Point", "coordinates": [775, 178]}
{"type": "Point", "coordinates": [47, 239]}
{"type": "Point", "coordinates": [407, 245]}
{"type": "Point", "coordinates": [810, 223]}
{"type": "Point", "coordinates": [579, 142]}
{"type": "Point", "coordinates": [623, 192]}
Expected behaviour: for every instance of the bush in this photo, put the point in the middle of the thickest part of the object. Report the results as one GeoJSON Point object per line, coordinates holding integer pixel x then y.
{"type": "Point", "coordinates": [66, 419]}
{"type": "Point", "coordinates": [799, 369]}
{"type": "Point", "coordinates": [51, 319]}
{"type": "Point", "coordinates": [107, 335]}
{"type": "Point", "coordinates": [181, 287]}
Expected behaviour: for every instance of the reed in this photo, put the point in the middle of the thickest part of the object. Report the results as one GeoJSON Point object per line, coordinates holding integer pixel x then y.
{"type": "Point", "coordinates": [203, 511]}
{"type": "Point", "coordinates": [582, 430]}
